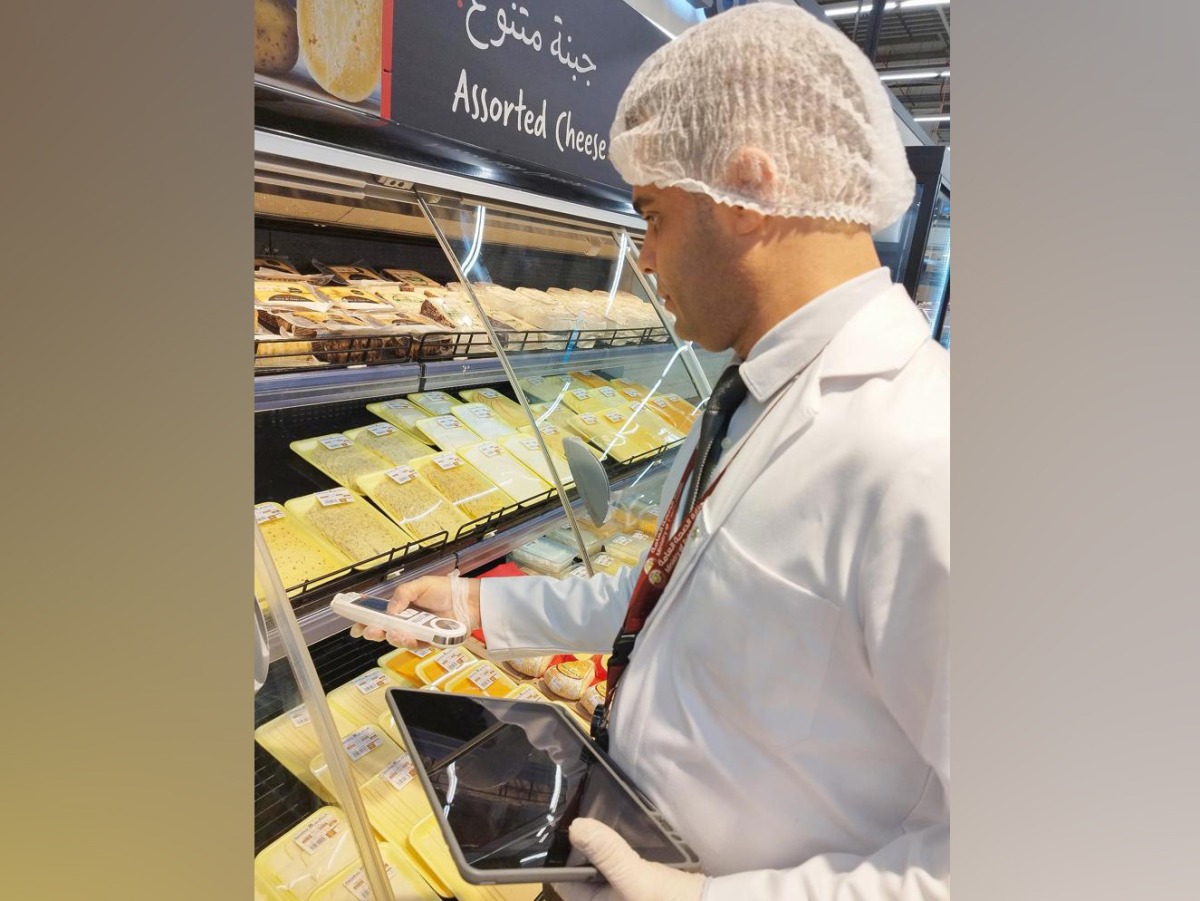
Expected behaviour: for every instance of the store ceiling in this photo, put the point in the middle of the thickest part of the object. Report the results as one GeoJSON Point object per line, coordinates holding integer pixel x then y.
{"type": "Point", "coordinates": [912, 53]}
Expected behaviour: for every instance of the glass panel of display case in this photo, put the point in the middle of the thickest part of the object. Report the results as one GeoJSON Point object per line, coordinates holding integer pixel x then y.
{"type": "Point", "coordinates": [933, 278]}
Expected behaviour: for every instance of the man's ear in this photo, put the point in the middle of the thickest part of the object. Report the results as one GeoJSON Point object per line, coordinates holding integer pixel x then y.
{"type": "Point", "coordinates": [752, 173]}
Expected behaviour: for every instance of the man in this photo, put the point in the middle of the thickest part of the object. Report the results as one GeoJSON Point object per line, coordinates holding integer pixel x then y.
{"type": "Point", "coordinates": [785, 704]}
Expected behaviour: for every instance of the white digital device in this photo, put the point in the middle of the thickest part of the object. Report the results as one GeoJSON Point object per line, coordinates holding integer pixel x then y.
{"type": "Point", "coordinates": [421, 624]}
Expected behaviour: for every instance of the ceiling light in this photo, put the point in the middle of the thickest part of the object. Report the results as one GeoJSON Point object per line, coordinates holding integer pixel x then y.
{"type": "Point", "coordinates": [945, 118]}
{"type": "Point", "coordinates": [851, 9]}
{"type": "Point", "coordinates": [905, 76]}
{"type": "Point", "coordinates": [946, 74]}
{"type": "Point", "coordinates": [915, 4]}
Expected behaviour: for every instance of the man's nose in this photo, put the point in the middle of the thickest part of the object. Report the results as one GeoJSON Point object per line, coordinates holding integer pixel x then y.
{"type": "Point", "coordinates": [646, 259]}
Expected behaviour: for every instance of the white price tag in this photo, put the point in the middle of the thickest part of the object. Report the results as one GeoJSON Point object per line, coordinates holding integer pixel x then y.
{"type": "Point", "coordinates": [490, 450]}
{"type": "Point", "coordinates": [526, 693]}
{"type": "Point", "coordinates": [450, 659]}
{"type": "Point", "coordinates": [356, 884]}
{"type": "Point", "coordinates": [631, 392]}
{"type": "Point", "coordinates": [362, 742]}
{"type": "Point", "coordinates": [535, 380]}
{"type": "Point", "coordinates": [659, 402]}
{"type": "Point", "coordinates": [589, 418]}
{"type": "Point", "coordinates": [481, 413]}
{"type": "Point", "coordinates": [581, 393]}
{"type": "Point", "coordinates": [447, 461]}
{"type": "Point", "coordinates": [488, 392]}
{"type": "Point", "coordinates": [484, 676]}
{"type": "Point", "coordinates": [400, 771]}
{"type": "Point", "coordinates": [371, 680]}
{"type": "Point", "coordinates": [334, 496]}
{"type": "Point", "coordinates": [622, 539]}
{"type": "Point", "coordinates": [548, 429]}
{"type": "Point", "coordinates": [381, 429]}
{"type": "Point", "coordinates": [530, 444]}
{"type": "Point", "coordinates": [674, 398]}
{"type": "Point", "coordinates": [448, 422]}
{"type": "Point", "coordinates": [299, 716]}
{"type": "Point", "coordinates": [604, 560]}
{"type": "Point", "coordinates": [317, 833]}
{"type": "Point", "coordinates": [420, 652]}
{"type": "Point", "coordinates": [267, 512]}
{"type": "Point", "coordinates": [402, 474]}
{"type": "Point", "coordinates": [333, 442]}
{"type": "Point", "coordinates": [399, 405]}
{"type": "Point", "coordinates": [607, 391]}
{"type": "Point", "coordinates": [614, 416]}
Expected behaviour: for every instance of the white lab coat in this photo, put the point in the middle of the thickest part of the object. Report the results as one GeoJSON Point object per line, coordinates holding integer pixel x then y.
{"type": "Point", "coordinates": [786, 705]}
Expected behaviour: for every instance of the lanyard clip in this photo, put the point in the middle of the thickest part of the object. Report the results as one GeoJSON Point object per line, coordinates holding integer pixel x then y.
{"type": "Point", "coordinates": [623, 647]}
{"type": "Point", "coordinates": [600, 727]}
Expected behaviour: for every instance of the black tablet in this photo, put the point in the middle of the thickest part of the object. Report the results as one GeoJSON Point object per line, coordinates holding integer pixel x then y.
{"type": "Point", "coordinates": [507, 777]}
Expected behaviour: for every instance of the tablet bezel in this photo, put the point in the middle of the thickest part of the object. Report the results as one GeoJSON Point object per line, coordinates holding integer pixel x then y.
{"type": "Point", "coordinates": [586, 873]}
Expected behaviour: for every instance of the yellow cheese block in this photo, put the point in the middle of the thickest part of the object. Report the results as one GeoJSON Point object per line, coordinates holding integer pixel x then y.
{"type": "Point", "coordinates": [414, 504]}
{"type": "Point", "coordinates": [307, 856]}
{"type": "Point", "coordinates": [298, 553]}
{"type": "Point", "coordinates": [426, 842]}
{"type": "Point", "coordinates": [404, 878]}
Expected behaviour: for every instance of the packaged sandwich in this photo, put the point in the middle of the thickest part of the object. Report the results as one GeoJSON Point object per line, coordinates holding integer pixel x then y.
{"type": "Point", "coordinates": [349, 523]}
{"type": "Point", "coordinates": [357, 299]}
{"type": "Point", "coordinates": [503, 407]}
{"type": "Point", "coordinates": [465, 486]}
{"type": "Point", "coordinates": [298, 554]}
{"type": "Point", "coordinates": [288, 295]}
{"type": "Point", "coordinates": [447, 432]}
{"type": "Point", "coordinates": [512, 477]}
{"type": "Point", "coordinates": [526, 449]}
{"type": "Point", "coordinates": [307, 856]}
{"type": "Point", "coordinates": [480, 419]}
{"type": "Point", "coordinates": [339, 458]}
{"type": "Point", "coordinates": [348, 274]}
{"type": "Point", "coordinates": [274, 264]}
{"type": "Point", "coordinates": [395, 445]}
{"type": "Point", "coordinates": [405, 880]}
{"type": "Point", "coordinates": [438, 403]}
{"type": "Point", "coordinates": [400, 411]}
{"type": "Point", "coordinates": [414, 504]}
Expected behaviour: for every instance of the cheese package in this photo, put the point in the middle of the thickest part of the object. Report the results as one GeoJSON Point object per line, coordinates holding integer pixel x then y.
{"type": "Point", "coordinates": [606, 563]}
{"type": "Point", "coordinates": [412, 503]}
{"type": "Point", "coordinates": [550, 388]}
{"type": "Point", "coordinates": [604, 531]}
{"type": "Point", "coordinates": [588, 378]}
{"type": "Point", "coordinates": [482, 421]}
{"type": "Point", "coordinates": [339, 458]}
{"type": "Point", "coordinates": [363, 698]}
{"type": "Point", "coordinates": [394, 444]}
{"type": "Point", "coordinates": [585, 400]}
{"type": "Point", "coordinates": [649, 423]}
{"type": "Point", "coordinates": [608, 396]}
{"type": "Point", "coordinates": [357, 299]}
{"type": "Point", "coordinates": [555, 414]}
{"type": "Point", "coordinates": [510, 475]}
{"type": "Point", "coordinates": [387, 723]}
{"type": "Point", "coordinates": [530, 666]}
{"type": "Point", "coordinates": [592, 542]}
{"type": "Point", "coordinates": [400, 412]}
{"type": "Point", "coordinates": [438, 403]}
{"type": "Point", "coordinates": [291, 739]}
{"type": "Point", "coordinates": [349, 523]}
{"type": "Point", "coordinates": [410, 277]}
{"type": "Point", "coordinates": [293, 866]}
{"type": "Point", "coordinates": [483, 678]}
{"type": "Point", "coordinates": [544, 557]}
{"type": "Point", "coordinates": [527, 691]}
{"type": "Point", "coordinates": [471, 492]}
{"type": "Point", "coordinates": [393, 796]}
{"type": "Point", "coordinates": [501, 406]}
{"type": "Point", "coordinates": [570, 679]}
{"type": "Point", "coordinates": [368, 751]}
{"type": "Point", "coordinates": [298, 554]}
{"type": "Point", "coordinates": [404, 879]}
{"type": "Point", "coordinates": [611, 433]}
{"type": "Point", "coordinates": [426, 842]}
{"type": "Point", "coordinates": [526, 449]}
{"type": "Point", "coordinates": [437, 666]}
{"type": "Point", "coordinates": [627, 549]}
{"type": "Point", "coordinates": [673, 410]}
{"type": "Point", "coordinates": [631, 389]}
{"type": "Point", "coordinates": [553, 436]}
{"type": "Point", "coordinates": [593, 696]}
{"type": "Point", "coordinates": [402, 663]}
{"type": "Point", "coordinates": [447, 432]}
{"type": "Point", "coordinates": [289, 296]}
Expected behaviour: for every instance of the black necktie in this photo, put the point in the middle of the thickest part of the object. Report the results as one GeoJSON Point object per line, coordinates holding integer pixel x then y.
{"type": "Point", "coordinates": [730, 391]}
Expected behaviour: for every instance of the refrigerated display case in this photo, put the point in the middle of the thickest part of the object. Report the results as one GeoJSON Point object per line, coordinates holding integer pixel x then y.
{"type": "Point", "coordinates": [423, 341]}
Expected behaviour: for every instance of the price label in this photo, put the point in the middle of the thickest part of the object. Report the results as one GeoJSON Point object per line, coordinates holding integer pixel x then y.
{"type": "Point", "coordinates": [448, 422]}
{"type": "Point", "coordinates": [334, 497]}
{"type": "Point", "coordinates": [481, 413]}
{"type": "Point", "coordinates": [674, 398]}
{"type": "Point", "coordinates": [484, 676]}
{"type": "Point", "coordinates": [420, 652]}
{"type": "Point", "coordinates": [535, 380]}
{"type": "Point", "coordinates": [488, 393]}
{"type": "Point", "coordinates": [614, 416]}
{"type": "Point", "coordinates": [371, 680]}
{"type": "Point", "coordinates": [588, 418]}
{"type": "Point", "coordinates": [548, 429]}
{"type": "Point", "coordinates": [450, 659]}
{"type": "Point", "coordinates": [299, 716]}
{"type": "Point", "coordinates": [604, 560]}
{"type": "Point", "coordinates": [362, 742]}
{"type": "Point", "coordinates": [632, 392]}
{"type": "Point", "coordinates": [267, 512]}
{"type": "Point", "coordinates": [447, 461]}
{"type": "Point", "coordinates": [334, 442]}
{"type": "Point", "coordinates": [622, 539]}
{"type": "Point", "coordinates": [490, 450]}
{"type": "Point", "coordinates": [581, 393]}
{"type": "Point", "coordinates": [317, 833]}
{"type": "Point", "coordinates": [381, 429]}
{"type": "Point", "coordinates": [402, 474]}
{"type": "Point", "coordinates": [659, 402]}
{"type": "Point", "coordinates": [400, 772]}
{"type": "Point", "coordinates": [399, 405]}
{"type": "Point", "coordinates": [607, 391]}
{"type": "Point", "coordinates": [530, 444]}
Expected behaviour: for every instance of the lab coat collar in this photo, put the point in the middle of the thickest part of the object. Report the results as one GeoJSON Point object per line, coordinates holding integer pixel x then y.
{"type": "Point", "coordinates": [880, 339]}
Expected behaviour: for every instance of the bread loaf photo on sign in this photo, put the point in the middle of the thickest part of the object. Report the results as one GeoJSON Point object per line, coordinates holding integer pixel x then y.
{"type": "Point", "coordinates": [342, 45]}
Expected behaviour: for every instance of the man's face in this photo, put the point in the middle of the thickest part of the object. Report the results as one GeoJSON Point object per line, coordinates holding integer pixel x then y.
{"type": "Point", "coordinates": [687, 249]}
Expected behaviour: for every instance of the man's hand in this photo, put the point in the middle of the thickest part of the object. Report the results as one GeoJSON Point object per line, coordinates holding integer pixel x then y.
{"type": "Point", "coordinates": [432, 593]}
{"type": "Point", "coordinates": [630, 878]}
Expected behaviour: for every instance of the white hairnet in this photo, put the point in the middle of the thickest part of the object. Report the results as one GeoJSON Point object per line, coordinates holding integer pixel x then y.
{"type": "Point", "coordinates": [768, 108]}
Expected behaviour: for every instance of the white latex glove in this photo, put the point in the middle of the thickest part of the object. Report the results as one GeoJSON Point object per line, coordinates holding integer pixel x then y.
{"type": "Point", "coordinates": [630, 878]}
{"type": "Point", "coordinates": [446, 596]}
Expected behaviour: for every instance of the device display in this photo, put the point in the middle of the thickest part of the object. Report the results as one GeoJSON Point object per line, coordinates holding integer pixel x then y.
{"type": "Point", "coordinates": [507, 777]}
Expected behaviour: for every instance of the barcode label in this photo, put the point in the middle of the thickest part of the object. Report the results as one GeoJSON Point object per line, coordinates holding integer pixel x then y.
{"type": "Point", "coordinates": [317, 833]}
{"type": "Point", "coordinates": [334, 496]}
{"type": "Point", "coordinates": [589, 418]}
{"type": "Point", "coordinates": [614, 416]}
{"type": "Point", "coordinates": [581, 393]}
{"type": "Point", "coordinates": [548, 429]}
{"type": "Point", "coordinates": [381, 429]}
{"type": "Point", "coordinates": [530, 444]}
{"type": "Point", "coordinates": [450, 659]}
{"type": "Point", "coordinates": [333, 442]}
{"type": "Point", "coordinates": [488, 392]}
{"type": "Point", "coordinates": [608, 392]}
{"type": "Point", "coordinates": [484, 676]}
{"type": "Point", "coordinates": [622, 539]}
{"type": "Point", "coordinates": [659, 402]}
{"type": "Point", "coordinates": [481, 413]}
{"type": "Point", "coordinates": [448, 422]}
{"type": "Point", "coordinates": [370, 681]}
{"type": "Point", "coordinates": [299, 716]}
{"type": "Point", "coordinates": [400, 772]}
{"type": "Point", "coordinates": [447, 461]}
{"type": "Point", "coordinates": [402, 474]}
{"type": "Point", "coordinates": [674, 398]}
{"type": "Point", "coordinates": [399, 405]}
{"type": "Point", "coordinates": [362, 742]}
{"type": "Point", "coordinates": [490, 450]}
{"type": "Point", "coordinates": [632, 392]}
{"type": "Point", "coordinates": [267, 512]}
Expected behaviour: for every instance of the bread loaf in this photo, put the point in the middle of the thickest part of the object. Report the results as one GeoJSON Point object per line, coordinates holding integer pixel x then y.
{"type": "Point", "coordinates": [342, 45]}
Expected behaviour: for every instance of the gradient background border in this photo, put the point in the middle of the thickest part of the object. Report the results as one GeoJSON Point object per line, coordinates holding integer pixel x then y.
{"type": "Point", "coordinates": [128, 664]}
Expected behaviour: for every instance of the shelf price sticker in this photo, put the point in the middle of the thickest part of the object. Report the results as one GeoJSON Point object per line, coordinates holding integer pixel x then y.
{"type": "Point", "coordinates": [400, 771]}
{"type": "Point", "coordinates": [484, 676]}
{"type": "Point", "coordinates": [362, 742]}
{"type": "Point", "coordinates": [490, 450]}
{"type": "Point", "coordinates": [334, 497]}
{"type": "Point", "coordinates": [604, 560]}
{"type": "Point", "coordinates": [299, 716]}
{"type": "Point", "coordinates": [450, 659]}
{"type": "Point", "coordinates": [334, 442]}
{"type": "Point", "coordinates": [267, 512]}
{"type": "Point", "coordinates": [674, 398]}
{"type": "Point", "coordinates": [381, 429]}
{"type": "Point", "coordinates": [447, 460]}
{"type": "Point", "coordinates": [399, 404]}
{"type": "Point", "coordinates": [358, 886]}
{"type": "Point", "coordinates": [371, 680]}
{"type": "Point", "coordinates": [402, 474]}
{"type": "Point", "coordinates": [622, 539]}
{"type": "Point", "coordinates": [317, 833]}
